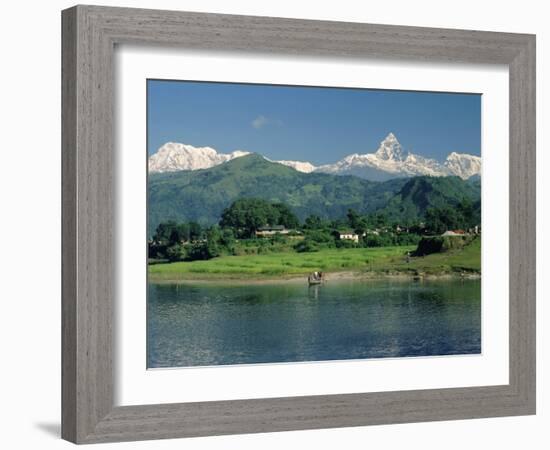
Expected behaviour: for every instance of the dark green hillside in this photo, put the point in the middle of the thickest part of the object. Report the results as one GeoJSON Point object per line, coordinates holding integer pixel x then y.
{"type": "Point", "coordinates": [421, 193]}
{"type": "Point", "coordinates": [202, 195]}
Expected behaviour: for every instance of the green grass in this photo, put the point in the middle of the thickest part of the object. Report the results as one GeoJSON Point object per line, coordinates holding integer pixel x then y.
{"type": "Point", "coordinates": [467, 259]}
{"type": "Point", "coordinates": [383, 260]}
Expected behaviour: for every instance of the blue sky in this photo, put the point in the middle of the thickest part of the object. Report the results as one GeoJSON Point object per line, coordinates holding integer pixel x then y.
{"type": "Point", "coordinates": [320, 125]}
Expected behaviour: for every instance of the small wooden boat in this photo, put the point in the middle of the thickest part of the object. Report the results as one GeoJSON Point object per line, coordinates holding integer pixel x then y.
{"type": "Point", "coordinates": [315, 278]}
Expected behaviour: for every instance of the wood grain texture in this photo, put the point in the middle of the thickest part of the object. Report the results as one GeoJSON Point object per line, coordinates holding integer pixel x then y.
{"type": "Point", "coordinates": [89, 36]}
{"type": "Point", "coordinates": [68, 225]}
{"type": "Point", "coordinates": [87, 211]}
{"type": "Point", "coordinates": [522, 243]}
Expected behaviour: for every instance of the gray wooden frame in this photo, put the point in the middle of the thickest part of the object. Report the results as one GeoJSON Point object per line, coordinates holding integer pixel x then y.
{"type": "Point", "coordinates": [89, 36]}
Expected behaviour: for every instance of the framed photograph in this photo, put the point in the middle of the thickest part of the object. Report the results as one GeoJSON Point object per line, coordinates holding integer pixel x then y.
{"type": "Point", "coordinates": [277, 224]}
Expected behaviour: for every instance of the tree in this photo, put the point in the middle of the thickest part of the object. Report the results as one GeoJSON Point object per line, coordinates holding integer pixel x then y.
{"type": "Point", "coordinates": [313, 222]}
{"type": "Point", "coordinates": [380, 220]}
{"type": "Point", "coordinates": [438, 220]}
{"type": "Point", "coordinates": [171, 232]}
{"type": "Point", "coordinates": [164, 231]}
{"type": "Point", "coordinates": [227, 239]}
{"type": "Point", "coordinates": [353, 218]}
{"type": "Point", "coordinates": [175, 252]}
{"type": "Point", "coordinates": [466, 209]}
{"type": "Point", "coordinates": [203, 250]}
{"type": "Point", "coordinates": [179, 233]}
{"type": "Point", "coordinates": [356, 221]}
{"type": "Point", "coordinates": [195, 231]}
{"type": "Point", "coordinates": [285, 216]}
{"type": "Point", "coordinates": [246, 215]}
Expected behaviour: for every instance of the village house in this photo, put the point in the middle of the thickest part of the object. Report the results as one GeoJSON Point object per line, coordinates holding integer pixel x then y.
{"type": "Point", "coordinates": [349, 236]}
{"type": "Point", "coordinates": [454, 233]}
{"type": "Point", "coordinates": [376, 232]}
{"type": "Point", "coordinates": [271, 230]}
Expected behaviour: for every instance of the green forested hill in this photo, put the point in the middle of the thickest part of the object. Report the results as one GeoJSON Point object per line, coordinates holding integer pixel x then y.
{"type": "Point", "coordinates": [201, 195]}
{"type": "Point", "coordinates": [420, 193]}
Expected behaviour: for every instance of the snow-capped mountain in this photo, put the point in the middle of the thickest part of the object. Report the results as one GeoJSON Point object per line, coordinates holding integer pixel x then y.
{"type": "Point", "coordinates": [390, 160]}
{"type": "Point", "coordinates": [390, 149]}
{"type": "Point", "coordinates": [173, 156]}
{"type": "Point", "coordinates": [300, 166]}
{"type": "Point", "coordinates": [463, 165]}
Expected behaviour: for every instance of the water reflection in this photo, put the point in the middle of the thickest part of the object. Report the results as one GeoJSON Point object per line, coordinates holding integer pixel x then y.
{"type": "Point", "coordinates": [190, 325]}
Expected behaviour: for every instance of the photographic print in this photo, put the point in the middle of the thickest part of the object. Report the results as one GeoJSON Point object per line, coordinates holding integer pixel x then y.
{"type": "Point", "coordinates": [297, 224]}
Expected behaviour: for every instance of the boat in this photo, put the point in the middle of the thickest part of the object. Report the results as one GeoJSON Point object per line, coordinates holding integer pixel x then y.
{"type": "Point", "coordinates": [315, 278]}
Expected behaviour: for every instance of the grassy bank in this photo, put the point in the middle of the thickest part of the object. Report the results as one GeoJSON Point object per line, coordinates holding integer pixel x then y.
{"type": "Point", "coordinates": [466, 259]}
{"type": "Point", "coordinates": [376, 261]}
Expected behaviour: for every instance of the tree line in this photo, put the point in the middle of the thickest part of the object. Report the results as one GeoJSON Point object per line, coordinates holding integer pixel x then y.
{"type": "Point", "coordinates": [240, 221]}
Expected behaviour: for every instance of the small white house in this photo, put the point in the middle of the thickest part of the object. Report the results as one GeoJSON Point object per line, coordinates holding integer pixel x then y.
{"type": "Point", "coordinates": [349, 236]}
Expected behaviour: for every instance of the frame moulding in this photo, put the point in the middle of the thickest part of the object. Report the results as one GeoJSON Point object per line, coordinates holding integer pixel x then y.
{"type": "Point", "coordinates": [89, 37]}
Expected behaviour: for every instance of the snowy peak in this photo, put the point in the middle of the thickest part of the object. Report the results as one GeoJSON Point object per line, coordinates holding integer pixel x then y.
{"type": "Point", "coordinates": [300, 166]}
{"type": "Point", "coordinates": [173, 156]}
{"type": "Point", "coordinates": [463, 165]}
{"type": "Point", "coordinates": [390, 149]}
{"type": "Point", "coordinates": [388, 161]}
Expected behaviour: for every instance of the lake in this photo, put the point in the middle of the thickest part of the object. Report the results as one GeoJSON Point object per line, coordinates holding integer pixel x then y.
{"type": "Point", "coordinates": [213, 324]}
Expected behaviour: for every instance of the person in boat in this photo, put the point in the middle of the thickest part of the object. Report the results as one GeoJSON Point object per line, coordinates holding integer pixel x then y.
{"type": "Point", "coordinates": [315, 277]}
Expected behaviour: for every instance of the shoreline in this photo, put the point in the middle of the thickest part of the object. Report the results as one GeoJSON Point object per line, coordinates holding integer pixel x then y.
{"type": "Point", "coordinates": [333, 276]}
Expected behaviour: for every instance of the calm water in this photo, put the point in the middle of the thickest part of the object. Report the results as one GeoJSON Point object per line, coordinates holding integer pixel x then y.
{"type": "Point", "coordinates": [214, 324]}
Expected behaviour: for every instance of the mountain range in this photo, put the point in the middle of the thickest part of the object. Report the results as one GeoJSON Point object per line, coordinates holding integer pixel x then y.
{"type": "Point", "coordinates": [201, 195]}
{"type": "Point", "coordinates": [172, 157]}
{"type": "Point", "coordinates": [389, 161]}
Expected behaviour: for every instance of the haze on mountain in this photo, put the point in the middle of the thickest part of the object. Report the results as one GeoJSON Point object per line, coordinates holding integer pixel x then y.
{"type": "Point", "coordinates": [389, 161]}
